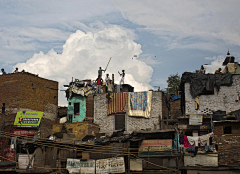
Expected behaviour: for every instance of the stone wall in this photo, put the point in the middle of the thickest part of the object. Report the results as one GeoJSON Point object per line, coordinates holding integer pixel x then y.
{"type": "Point", "coordinates": [228, 144]}
{"type": "Point", "coordinates": [224, 99]}
{"type": "Point", "coordinates": [106, 123]}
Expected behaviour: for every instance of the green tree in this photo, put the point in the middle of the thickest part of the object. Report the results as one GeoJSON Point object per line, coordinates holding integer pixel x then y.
{"type": "Point", "coordinates": [173, 83]}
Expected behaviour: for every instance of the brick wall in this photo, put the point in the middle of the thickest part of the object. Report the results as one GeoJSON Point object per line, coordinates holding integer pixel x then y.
{"type": "Point", "coordinates": [36, 92]}
{"type": "Point", "coordinates": [175, 109]}
{"type": "Point", "coordinates": [106, 123]}
{"type": "Point", "coordinates": [90, 107]}
{"type": "Point", "coordinates": [223, 100]}
{"type": "Point", "coordinates": [25, 91]}
{"type": "Point", "coordinates": [164, 107]}
{"type": "Point", "coordinates": [228, 144]}
{"type": "Point", "coordinates": [9, 90]}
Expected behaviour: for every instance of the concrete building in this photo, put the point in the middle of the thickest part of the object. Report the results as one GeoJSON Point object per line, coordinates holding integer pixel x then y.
{"type": "Point", "coordinates": [210, 103]}
{"type": "Point", "coordinates": [113, 122]}
{"type": "Point", "coordinates": [224, 99]}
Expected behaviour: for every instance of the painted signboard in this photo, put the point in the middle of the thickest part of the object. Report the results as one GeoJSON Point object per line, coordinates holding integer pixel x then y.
{"type": "Point", "coordinates": [78, 166]}
{"type": "Point", "coordinates": [102, 166]}
{"type": "Point", "coordinates": [195, 120]}
{"type": "Point", "coordinates": [28, 119]}
{"type": "Point", "coordinates": [110, 165]}
{"type": "Point", "coordinates": [116, 165]}
{"type": "Point", "coordinates": [155, 148]}
{"type": "Point", "coordinates": [18, 132]}
{"type": "Point", "coordinates": [73, 165]}
{"type": "Point", "coordinates": [87, 167]}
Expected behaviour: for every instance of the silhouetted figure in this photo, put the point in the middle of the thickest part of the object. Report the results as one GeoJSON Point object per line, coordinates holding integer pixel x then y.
{"type": "Point", "coordinates": [3, 72]}
{"type": "Point", "coordinates": [16, 70]}
{"type": "Point", "coordinates": [100, 72]}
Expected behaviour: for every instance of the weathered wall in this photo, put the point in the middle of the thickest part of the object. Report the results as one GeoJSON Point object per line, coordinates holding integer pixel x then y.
{"type": "Point", "coordinates": [175, 109]}
{"type": "Point", "coordinates": [90, 107]}
{"type": "Point", "coordinates": [25, 91]}
{"type": "Point", "coordinates": [213, 172]}
{"type": "Point", "coordinates": [164, 107]}
{"type": "Point", "coordinates": [223, 100]}
{"type": "Point", "coordinates": [203, 160]}
{"type": "Point", "coordinates": [46, 127]}
{"type": "Point", "coordinates": [9, 90]}
{"type": "Point", "coordinates": [82, 108]}
{"type": "Point", "coordinates": [106, 123]}
{"type": "Point", "coordinates": [228, 144]}
{"type": "Point", "coordinates": [79, 129]}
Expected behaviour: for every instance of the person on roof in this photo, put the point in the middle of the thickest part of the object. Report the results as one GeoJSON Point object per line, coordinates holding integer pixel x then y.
{"type": "Point", "coordinates": [123, 76]}
{"type": "Point", "coordinates": [202, 70]}
{"type": "Point", "coordinates": [16, 70]}
{"type": "Point", "coordinates": [100, 71]}
{"type": "Point", "coordinates": [218, 71]}
{"type": "Point", "coordinates": [99, 84]}
{"type": "Point", "coordinates": [107, 79]}
{"type": "Point", "coordinates": [3, 72]}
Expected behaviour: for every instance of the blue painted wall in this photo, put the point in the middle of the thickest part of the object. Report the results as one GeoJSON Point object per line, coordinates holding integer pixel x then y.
{"type": "Point", "coordinates": [82, 105]}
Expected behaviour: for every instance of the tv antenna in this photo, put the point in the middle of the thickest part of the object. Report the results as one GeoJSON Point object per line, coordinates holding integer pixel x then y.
{"type": "Point", "coordinates": [157, 87]}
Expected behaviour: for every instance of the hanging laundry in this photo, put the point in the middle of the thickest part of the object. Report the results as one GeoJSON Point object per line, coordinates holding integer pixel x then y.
{"type": "Point", "coordinates": [209, 148]}
{"type": "Point", "coordinates": [88, 91]}
{"type": "Point", "coordinates": [139, 104]}
{"type": "Point", "coordinates": [186, 143]}
{"type": "Point", "coordinates": [197, 103]}
{"type": "Point", "coordinates": [13, 143]}
{"type": "Point", "coordinates": [193, 140]}
{"type": "Point", "coordinates": [205, 139]}
{"type": "Point", "coordinates": [193, 149]}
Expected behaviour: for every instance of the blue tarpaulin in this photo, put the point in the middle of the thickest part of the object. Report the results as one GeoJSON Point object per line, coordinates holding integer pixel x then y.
{"type": "Point", "coordinates": [175, 97]}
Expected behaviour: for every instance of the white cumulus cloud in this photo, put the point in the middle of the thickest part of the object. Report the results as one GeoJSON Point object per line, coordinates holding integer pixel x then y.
{"type": "Point", "coordinates": [83, 54]}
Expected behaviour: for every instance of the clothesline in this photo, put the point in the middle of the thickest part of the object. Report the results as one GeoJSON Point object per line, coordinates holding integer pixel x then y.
{"type": "Point", "coordinates": [189, 141]}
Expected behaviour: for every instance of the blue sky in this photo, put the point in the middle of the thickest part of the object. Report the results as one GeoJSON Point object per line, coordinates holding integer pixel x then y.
{"type": "Point", "coordinates": [169, 37]}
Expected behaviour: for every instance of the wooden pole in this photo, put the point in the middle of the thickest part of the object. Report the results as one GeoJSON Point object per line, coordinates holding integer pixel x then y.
{"type": "Point", "coordinates": [108, 63]}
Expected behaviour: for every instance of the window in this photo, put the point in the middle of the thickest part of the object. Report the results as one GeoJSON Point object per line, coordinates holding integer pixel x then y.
{"type": "Point", "coordinates": [227, 130]}
{"type": "Point", "coordinates": [76, 108]}
{"type": "Point", "coordinates": [120, 122]}
{"type": "Point", "coordinates": [70, 103]}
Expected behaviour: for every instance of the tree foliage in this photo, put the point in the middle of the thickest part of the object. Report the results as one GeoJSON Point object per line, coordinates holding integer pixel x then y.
{"type": "Point", "coordinates": [173, 83]}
